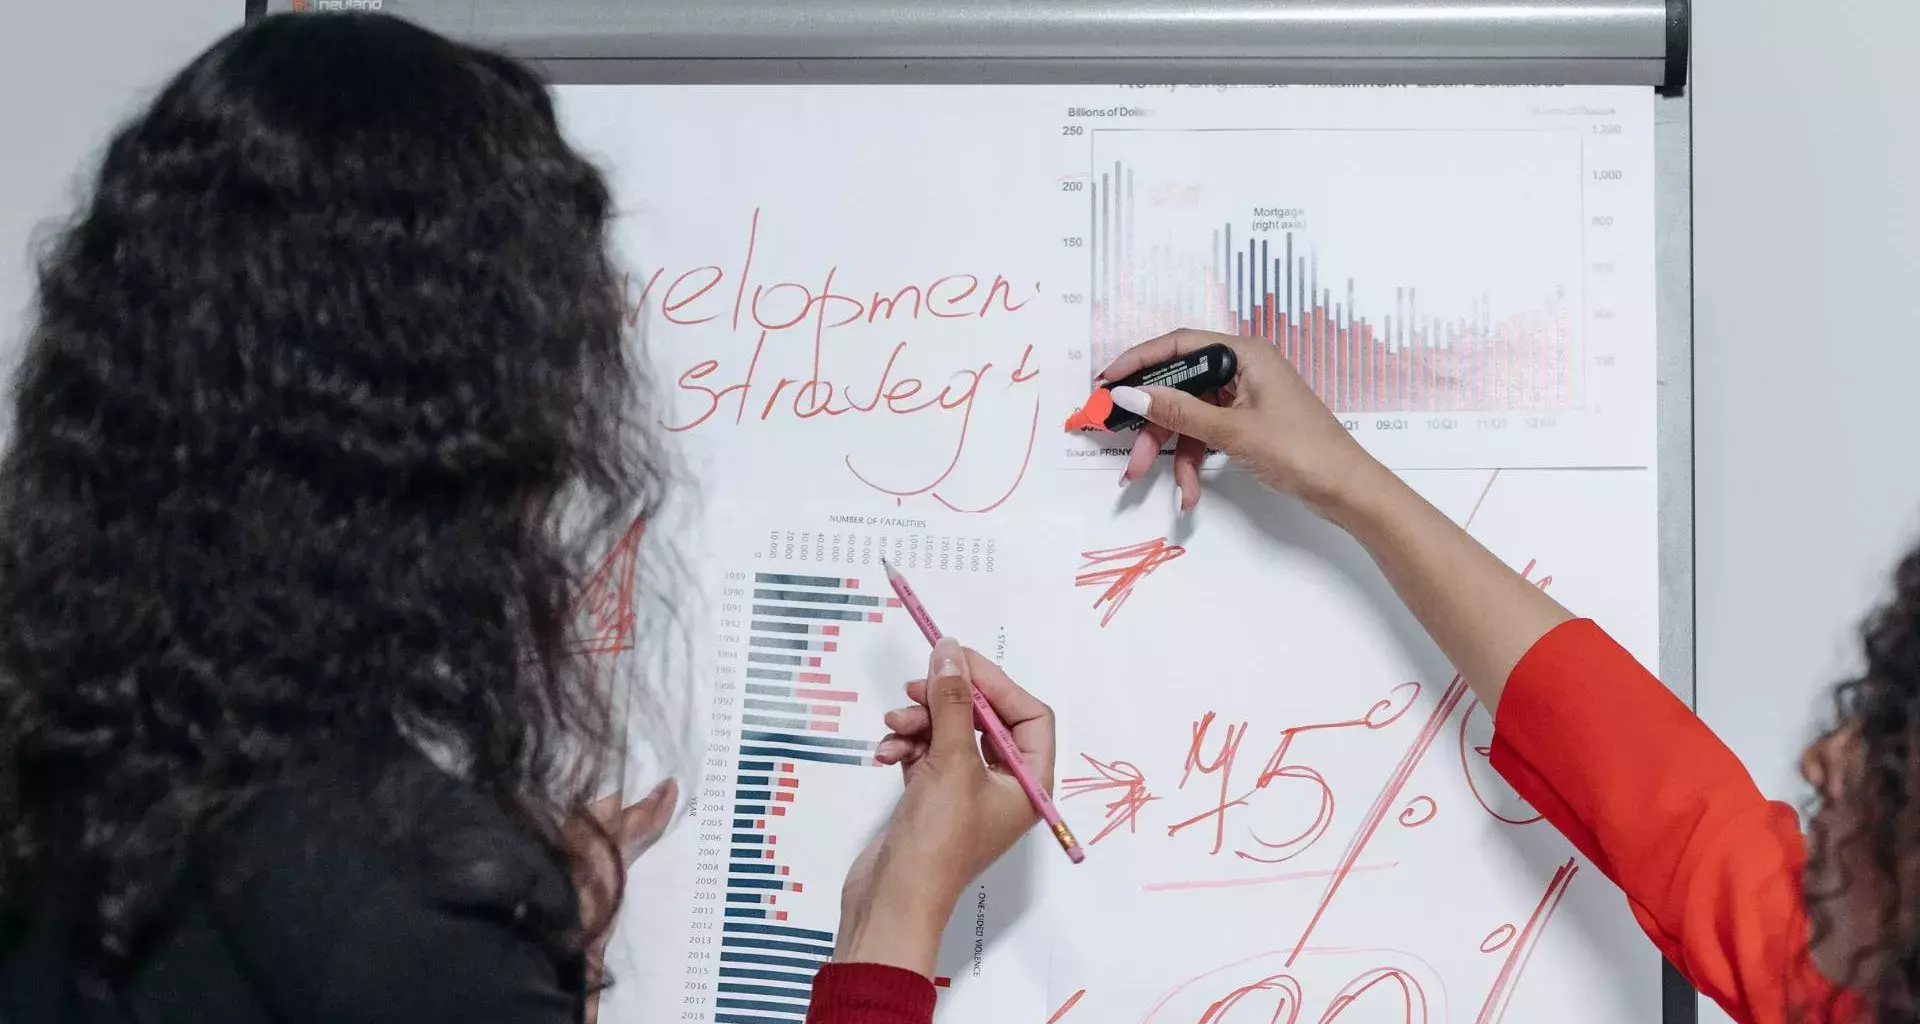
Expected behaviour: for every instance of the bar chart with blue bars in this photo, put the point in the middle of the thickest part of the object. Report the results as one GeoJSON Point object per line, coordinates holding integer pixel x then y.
{"type": "Point", "coordinates": [796, 748]}
{"type": "Point", "coordinates": [810, 648]}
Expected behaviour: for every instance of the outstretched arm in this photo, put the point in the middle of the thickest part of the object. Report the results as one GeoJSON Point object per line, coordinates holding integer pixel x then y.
{"type": "Point", "coordinates": [1583, 732]}
{"type": "Point", "coordinates": [1480, 612]}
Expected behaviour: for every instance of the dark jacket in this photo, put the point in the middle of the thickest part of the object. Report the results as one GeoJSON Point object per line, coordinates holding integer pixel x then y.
{"type": "Point", "coordinates": [309, 908]}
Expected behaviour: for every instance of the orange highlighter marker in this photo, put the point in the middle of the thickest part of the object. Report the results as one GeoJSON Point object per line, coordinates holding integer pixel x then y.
{"type": "Point", "coordinates": [996, 730]}
{"type": "Point", "coordinates": [1197, 373]}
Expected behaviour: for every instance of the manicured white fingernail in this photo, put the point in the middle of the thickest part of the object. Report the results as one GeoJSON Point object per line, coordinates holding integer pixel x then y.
{"type": "Point", "coordinates": [946, 658]}
{"type": "Point", "coordinates": [1133, 400]}
{"type": "Point", "coordinates": [1179, 501]}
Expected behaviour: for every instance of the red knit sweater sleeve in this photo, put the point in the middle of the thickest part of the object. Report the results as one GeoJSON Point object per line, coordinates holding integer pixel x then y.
{"type": "Point", "coordinates": [870, 994]}
{"type": "Point", "coordinates": [1711, 868]}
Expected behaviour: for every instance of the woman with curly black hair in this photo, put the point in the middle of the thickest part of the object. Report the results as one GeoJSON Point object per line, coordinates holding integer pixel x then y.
{"type": "Point", "coordinates": [325, 406]}
{"type": "Point", "coordinates": [1720, 878]}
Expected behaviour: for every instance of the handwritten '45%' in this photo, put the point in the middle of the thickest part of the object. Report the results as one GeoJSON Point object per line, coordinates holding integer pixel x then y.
{"type": "Point", "coordinates": [1213, 766]}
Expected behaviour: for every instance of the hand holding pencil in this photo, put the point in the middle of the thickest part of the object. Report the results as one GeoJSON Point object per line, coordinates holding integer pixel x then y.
{"type": "Point", "coordinates": [962, 809]}
{"type": "Point", "coordinates": [1003, 750]}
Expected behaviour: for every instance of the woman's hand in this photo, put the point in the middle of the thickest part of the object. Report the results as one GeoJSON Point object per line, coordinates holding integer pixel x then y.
{"type": "Point", "coordinates": [961, 810]}
{"type": "Point", "coordinates": [634, 829]}
{"type": "Point", "coordinates": [1268, 419]}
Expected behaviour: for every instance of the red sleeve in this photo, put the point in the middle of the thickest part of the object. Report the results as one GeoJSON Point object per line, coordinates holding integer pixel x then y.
{"type": "Point", "coordinates": [870, 994]}
{"type": "Point", "coordinates": [1711, 868]}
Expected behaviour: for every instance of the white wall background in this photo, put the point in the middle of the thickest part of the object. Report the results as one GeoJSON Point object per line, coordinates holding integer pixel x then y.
{"type": "Point", "coordinates": [1807, 405]}
{"type": "Point", "coordinates": [1807, 259]}
{"type": "Point", "coordinates": [1806, 191]}
{"type": "Point", "coordinates": [70, 71]}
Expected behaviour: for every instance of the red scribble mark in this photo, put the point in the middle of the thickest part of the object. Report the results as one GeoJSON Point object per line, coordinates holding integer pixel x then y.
{"type": "Point", "coordinates": [1418, 811]}
{"type": "Point", "coordinates": [1124, 776]}
{"type": "Point", "coordinates": [1508, 980]}
{"type": "Point", "coordinates": [1484, 491]}
{"type": "Point", "coordinates": [1026, 459]}
{"type": "Point", "coordinates": [1141, 560]}
{"type": "Point", "coordinates": [1389, 796]}
{"type": "Point", "coordinates": [1467, 769]}
{"type": "Point", "coordinates": [1234, 883]}
{"type": "Point", "coordinates": [1390, 793]}
{"type": "Point", "coordinates": [1297, 844]}
{"type": "Point", "coordinates": [1413, 992]}
{"type": "Point", "coordinates": [603, 610]}
{"type": "Point", "coordinates": [1413, 998]}
{"type": "Point", "coordinates": [1072, 1001]}
{"type": "Point", "coordinates": [1286, 1008]}
{"type": "Point", "coordinates": [1372, 719]}
{"type": "Point", "coordinates": [1497, 939]}
{"type": "Point", "coordinates": [1223, 763]}
{"type": "Point", "coordinates": [1527, 574]}
{"type": "Point", "coordinates": [1176, 990]}
{"type": "Point", "coordinates": [1381, 714]}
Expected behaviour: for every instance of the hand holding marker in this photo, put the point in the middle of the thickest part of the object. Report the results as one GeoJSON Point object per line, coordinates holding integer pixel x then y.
{"type": "Point", "coordinates": [1196, 373]}
{"type": "Point", "coordinates": [997, 735]}
{"type": "Point", "coordinates": [1194, 370]}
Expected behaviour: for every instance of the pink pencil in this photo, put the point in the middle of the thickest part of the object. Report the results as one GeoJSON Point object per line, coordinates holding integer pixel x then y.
{"type": "Point", "coordinates": [996, 730]}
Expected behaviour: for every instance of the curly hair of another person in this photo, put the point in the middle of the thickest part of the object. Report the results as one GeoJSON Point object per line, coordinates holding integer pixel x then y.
{"type": "Point", "coordinates": [325, 407]}
{"type": "Point", "coordinates": [1880, 711]}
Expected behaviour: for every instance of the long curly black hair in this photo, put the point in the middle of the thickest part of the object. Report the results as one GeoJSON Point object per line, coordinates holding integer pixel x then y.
{"type": "Point", "coordinates": [326, 402]}
{"type": "Point", "coordinates": [1869, 863]}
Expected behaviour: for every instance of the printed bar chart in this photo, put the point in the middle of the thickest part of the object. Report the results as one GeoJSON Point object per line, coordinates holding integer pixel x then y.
{"type": "Point", "coordinates": [1400, 361]}
{"type": "Point", "coordinates": [802, 740]}
{"type": "Point", "coordinates": [791, 708]}
{"type": "Point", "coordinates": [1397, 360]}
{"type": "Point", "coordinates": [1368, 333]}
{"type": "Point", "coordinates": [790, 716]}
